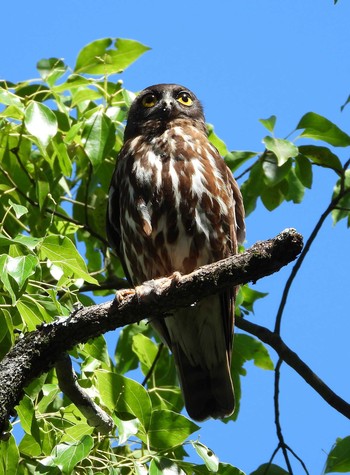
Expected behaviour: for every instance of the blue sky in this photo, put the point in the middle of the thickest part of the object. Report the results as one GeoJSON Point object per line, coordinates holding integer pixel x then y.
{"type": "Point", "coordinates": [245, 61]}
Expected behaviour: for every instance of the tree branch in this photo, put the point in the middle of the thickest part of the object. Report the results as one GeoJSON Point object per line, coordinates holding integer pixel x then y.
{"type": "Point", "coordinates": [38, 351]}
{"type": "Point", "coordinates": [293, 360]}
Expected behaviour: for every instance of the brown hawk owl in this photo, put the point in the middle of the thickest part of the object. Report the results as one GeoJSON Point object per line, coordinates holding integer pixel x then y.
{"type": "Point", "coordinates": [174, 206]}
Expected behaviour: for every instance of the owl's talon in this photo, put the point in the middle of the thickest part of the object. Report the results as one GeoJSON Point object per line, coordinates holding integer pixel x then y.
{"type": "Point", "coordinates": [175, 278]}
{"type": "Point", "coordinates": [123, 294]}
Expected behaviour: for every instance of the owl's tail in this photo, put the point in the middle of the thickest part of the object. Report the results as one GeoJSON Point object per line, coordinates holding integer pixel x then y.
{"type": "Point", "coordinates": [207, 392]}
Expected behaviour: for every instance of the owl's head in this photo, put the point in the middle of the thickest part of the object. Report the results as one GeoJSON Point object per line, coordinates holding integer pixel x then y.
{"type": "Point", "coordinates": [157, 105]}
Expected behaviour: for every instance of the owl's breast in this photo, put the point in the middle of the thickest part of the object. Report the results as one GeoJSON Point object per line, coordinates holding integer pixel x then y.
{"type": "Point", "coordinates": [175, 204]}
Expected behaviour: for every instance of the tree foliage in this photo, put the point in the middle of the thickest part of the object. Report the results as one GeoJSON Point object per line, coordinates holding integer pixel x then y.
{"type": "Point", "coordinates": [59, 141]}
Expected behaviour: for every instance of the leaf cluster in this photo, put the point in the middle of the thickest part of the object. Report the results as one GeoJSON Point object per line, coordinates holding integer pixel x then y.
{"type": "Point", "coordinates": [59, 141]}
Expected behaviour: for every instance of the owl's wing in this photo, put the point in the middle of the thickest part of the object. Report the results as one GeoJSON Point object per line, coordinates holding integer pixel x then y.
{"type": "Point", "coordinates": [113, 220]}
{"type": "Point", "coordinates": [237, 235]}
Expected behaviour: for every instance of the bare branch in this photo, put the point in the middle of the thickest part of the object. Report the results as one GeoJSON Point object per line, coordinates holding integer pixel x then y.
{"type": "Point", "coordinates": [67, 381]}
{"type": "Point", "coordinates": [293, 360]}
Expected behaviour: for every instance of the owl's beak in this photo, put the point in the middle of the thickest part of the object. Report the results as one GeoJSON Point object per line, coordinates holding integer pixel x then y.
{"type": "Point", "coordinates": [166, 106]}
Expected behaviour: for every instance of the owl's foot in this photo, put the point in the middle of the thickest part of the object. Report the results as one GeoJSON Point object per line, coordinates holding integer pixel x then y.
{"type": "Point", "coordinates": [175, 277]}
{"type": "Point", "coordinates": [123, 294]}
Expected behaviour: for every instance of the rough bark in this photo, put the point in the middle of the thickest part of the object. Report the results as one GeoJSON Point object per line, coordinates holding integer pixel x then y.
{"type": "Point", "coordinates": [39, 350]}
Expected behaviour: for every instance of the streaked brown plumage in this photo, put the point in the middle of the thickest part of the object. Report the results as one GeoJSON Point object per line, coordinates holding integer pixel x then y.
{"type": "Point", "coordinates": [174, 206]}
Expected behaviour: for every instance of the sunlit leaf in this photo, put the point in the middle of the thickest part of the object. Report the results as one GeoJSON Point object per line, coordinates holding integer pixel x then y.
{"type": "Point", "coordinates": [98, 137]}
{"type": "Point", "coordinates": [319, 128]}
{"type": "Point", "coordinates": [108, 56]}
{"type": "Point", "coordinates": [51, 69]}
{"type": "Point", "coordinates": [40, 122]}
{"type": "Point", "coordinates": [269, 123]}
{"type": "Point", "coordinates": [216, 141]}
{"type": "Point", "coordinates": [9, 456]}
{"type": "Point", "coordinates": [19, 268]}
{"type": "Point", "coordinates": [66, 456]}
{"type": "Point", "coordinates": [249, 348]}
{"type": "Point", "coordinates": [126, 429]}
{"type": "Point", "coordinates": [283, 149]}
{"type": "Point", "coordinates": [63, 254]}
{"type": "Point", "coordinates": [249, 296]}
{"type": "Point", "coordinates": [210, 459]}
{"type": "Point", "coordinates": [321, 156]}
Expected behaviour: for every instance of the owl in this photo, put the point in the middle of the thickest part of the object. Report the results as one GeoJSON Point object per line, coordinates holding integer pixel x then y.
{"type": "Point", "coordinates": [174, 206]}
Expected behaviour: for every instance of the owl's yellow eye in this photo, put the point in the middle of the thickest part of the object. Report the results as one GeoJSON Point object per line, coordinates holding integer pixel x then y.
{"type": "Point", "coordinates": [149, 100]}
{"type": "Point", "coordinates": [184, 98]}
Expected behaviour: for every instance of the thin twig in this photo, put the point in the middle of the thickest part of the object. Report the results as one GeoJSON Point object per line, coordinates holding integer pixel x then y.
{"type": "Point", "coordinates": [280, 437]}
{"type": "Point", "coordinates": [295, 362]}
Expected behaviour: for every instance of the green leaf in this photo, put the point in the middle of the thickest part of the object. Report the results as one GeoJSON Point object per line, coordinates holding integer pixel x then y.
{"type": "Point", "coordinates": [19, 269]}
{"type": "Point", "coordinates": [169, 429]}
{"type": "Point", "coordinates": [26, 413]}
{"type": "Point", "coordinates": [338, 459]}
{"type": "Point", "coordinates": [145, 349]}
{"type": "Point", "coordinates": [210, 459]}
{"type": "Point", "coordinates": [247, 348]}
{"type": "Point", "coordinates": [100, 57]}
{"type": "Point", "coordinates": [274, 173]}
{"type": "Point", "coordinates": [125, 395]}
{"type": "Point", "coordinates": [269, 123]}
{"type": "Point", "coordinates": [9, 456]}
{"type": "Point", "coordinates": [295, 189]}
{"type": "Point", "coordinates": [51, 69]}
{"type": "Point", "coordinates": [303, 170]}
{"type": "Point", "coordinates": [98, 137]}
{"type": "Point", "coordinates": [342, 211]}
{"type": "Point", "coordinates": [283, 149]}
{"type": "Point", "coordinates": [269, 469]}
{"type": "Point", "coordinates": [18, 209]}
{"type": "Point", "coordinates": [27, 241]}
{"type": "Point", "coordinates": [249, 296]}
{"type": "Point", "coordinates": [126, 358]}
{"type": "Point", "coordinates": [61, 252]}
{"type": "Point", "coordinates": [126, 429]}
{"type": "Point", "coordinates": [318, 127]}
{"type": "Point", "coordinates": [41, 122]}
{"type": "Point", "coordinates": [76, 432]}
{"type": "Point", "coordinates": [29, 312]}
{"type": "Point", "coordinates": [6, 332]}
{"type": "Point", "coordinates": [321, 156]}
{"type": "Point", "coordinates": [9, 99]}
{"type": "Point", "coordinates": [216, 141]}
{"type": "Point", "coordinates": [66, 456]}
{"type": "Point", "coordinates": [272, 197]}
{"type": "Point", "coordinates": [236, 158]}
{"type": "Point", "coordinates": [253, 187]}
{"type": "Point", "coordinates": [97, 348]}
{"type": "Point", "coordinates": [29, 446]}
